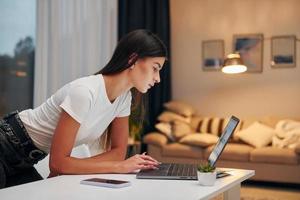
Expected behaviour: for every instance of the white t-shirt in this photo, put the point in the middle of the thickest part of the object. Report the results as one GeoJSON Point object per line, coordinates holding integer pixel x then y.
{"type": "Point", "coordinates": [85, 100]}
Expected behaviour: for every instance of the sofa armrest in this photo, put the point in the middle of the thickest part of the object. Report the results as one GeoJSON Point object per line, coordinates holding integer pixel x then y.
{"type": "Point", "coordinates": [155, 138]}
{"type": "Point", "coordinates": [297, 148]}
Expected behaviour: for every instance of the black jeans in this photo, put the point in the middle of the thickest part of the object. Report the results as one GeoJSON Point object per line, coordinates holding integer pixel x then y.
{"type": "Point", "coordinates": [17, 153]}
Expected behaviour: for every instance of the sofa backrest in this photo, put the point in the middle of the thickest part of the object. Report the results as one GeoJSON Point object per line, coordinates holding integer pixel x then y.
{"type": "Point", "coordinates": [213, 125]}
{"type": "Point", "coordinates": [216, 125]}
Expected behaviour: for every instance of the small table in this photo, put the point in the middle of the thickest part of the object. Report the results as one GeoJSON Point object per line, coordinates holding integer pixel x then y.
{"type": "Point", "coordinates": [68, 187]}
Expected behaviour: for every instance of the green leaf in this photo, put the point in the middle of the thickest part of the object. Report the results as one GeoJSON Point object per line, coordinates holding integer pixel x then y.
{"type": "Point", "coordinates": [206, 167]}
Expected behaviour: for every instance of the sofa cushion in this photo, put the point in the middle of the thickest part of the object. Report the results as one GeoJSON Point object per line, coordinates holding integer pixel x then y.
{"type": "Point", "coordinates": [297, 148]}
{"type": "Point", "coordinates": [180, 129]}
{"type": "Point", "coordinates": [199, 139]}
{"type": "Point", "coordinates": [274, 155]}
{"type": "Point", "coordinates": [166, 129]}
{"type": "Point", "coordinates": [170, 116]}
{"type": "Point", "coordinates": [155, 139]}
{"type": "Point", "coordinates": [214, 125]}
{"type": "Point", "coordinates": [180, 108]}
{"type": "Point", "coordinates": [257, 135]}
{"type": "Point", "coordinates": [285, 127]}
{"type": "Point", "coordinates": [195, 120]}
{"type": "Point", "coordinates": [236, 152]}
{"type": "Point", "coordinates": [182, 150]}
{"type": "Point", "coordinates": [211, 125]}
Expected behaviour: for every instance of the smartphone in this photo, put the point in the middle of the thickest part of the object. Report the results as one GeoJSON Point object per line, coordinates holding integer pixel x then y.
{"type": "Point", "coordinates": [222, 174]}
{"type": "Point", "coordinates": [106, 182]}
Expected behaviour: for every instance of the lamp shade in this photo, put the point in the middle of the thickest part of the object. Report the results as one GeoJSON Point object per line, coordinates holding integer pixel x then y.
{"type": "Point", "coordinates": [233, 64]}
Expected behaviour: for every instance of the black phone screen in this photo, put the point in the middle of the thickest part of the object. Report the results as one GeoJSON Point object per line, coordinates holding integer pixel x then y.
{"type": "Point", "coordinates": [102, 180]}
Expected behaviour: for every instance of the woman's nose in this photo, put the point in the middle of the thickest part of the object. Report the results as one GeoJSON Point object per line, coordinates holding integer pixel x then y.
{"type": "Point", "coordinates": [157, 80]}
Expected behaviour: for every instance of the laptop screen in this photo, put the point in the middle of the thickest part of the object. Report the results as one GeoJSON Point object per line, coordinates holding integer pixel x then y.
{"type": "Point", "coordinates": [232, 124]}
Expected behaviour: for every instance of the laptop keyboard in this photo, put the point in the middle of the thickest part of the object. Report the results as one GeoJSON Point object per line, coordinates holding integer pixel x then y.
{"type": "Point", "coordinates": [175, 169]}
{"type": "Point", "coordinates": [186, 171]}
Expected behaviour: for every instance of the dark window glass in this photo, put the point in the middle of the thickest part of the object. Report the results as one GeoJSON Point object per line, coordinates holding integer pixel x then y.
{"type": "Point", "coordinates": [17, 45]}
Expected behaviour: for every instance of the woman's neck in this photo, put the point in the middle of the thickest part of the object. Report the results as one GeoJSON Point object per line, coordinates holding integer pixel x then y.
{"type": "Point", "coordinates": [116, 85]}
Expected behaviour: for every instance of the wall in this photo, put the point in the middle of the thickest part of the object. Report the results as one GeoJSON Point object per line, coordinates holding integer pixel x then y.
{"type": "Point", "coordinates": [274, 92]}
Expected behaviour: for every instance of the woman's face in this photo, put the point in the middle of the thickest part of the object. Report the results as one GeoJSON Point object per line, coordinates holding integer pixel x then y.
{"type": "Point", "coordinates": [145, 73]}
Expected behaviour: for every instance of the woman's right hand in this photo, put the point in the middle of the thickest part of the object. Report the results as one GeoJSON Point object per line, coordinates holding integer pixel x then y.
{"type": "Point", "coordinates": [137, 162]}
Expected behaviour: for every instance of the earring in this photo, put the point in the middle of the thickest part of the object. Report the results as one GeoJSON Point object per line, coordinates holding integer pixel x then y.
{"type": "Point", "coordinates": [132, 66]}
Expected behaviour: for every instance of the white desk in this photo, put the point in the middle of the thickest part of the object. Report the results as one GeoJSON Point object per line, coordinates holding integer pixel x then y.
{"type": "Point", "coordinates": [68, 187]}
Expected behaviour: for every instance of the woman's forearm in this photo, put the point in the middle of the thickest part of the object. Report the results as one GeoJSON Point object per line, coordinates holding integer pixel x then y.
{"type": "Point", "coordinates": [115, 154]}
{"type": "Point", "coordinates": [107, 162]}
{"type": "Point", "coordinates": [70, 165]}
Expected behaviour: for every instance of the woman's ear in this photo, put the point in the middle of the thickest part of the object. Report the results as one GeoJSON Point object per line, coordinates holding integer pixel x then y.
{"type": "Point", "coordinates": [132, 59]}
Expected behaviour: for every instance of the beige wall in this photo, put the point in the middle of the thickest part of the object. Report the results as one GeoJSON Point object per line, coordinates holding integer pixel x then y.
{"type": "Point", "coordinates": [274, 92]}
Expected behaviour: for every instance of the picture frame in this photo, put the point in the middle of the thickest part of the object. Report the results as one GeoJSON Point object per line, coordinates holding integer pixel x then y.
{"type": "Point", "coordinates": [250, 48]}
{"type": "Point", "coordinates": [212, 55]}
{"type": "Point", "coordinates": [283, 51]}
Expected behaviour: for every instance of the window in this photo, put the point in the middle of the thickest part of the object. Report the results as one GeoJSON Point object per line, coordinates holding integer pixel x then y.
{"type": "Point", "coordinates": [17, 46]}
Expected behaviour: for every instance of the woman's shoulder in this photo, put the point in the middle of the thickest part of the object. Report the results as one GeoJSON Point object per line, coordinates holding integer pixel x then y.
{"type": "Point", "coordinates": [91, 83]}
{"type": "Point", "coordinates": [126, 97]}
{"type": "Point", "coordinates": [87, 87]}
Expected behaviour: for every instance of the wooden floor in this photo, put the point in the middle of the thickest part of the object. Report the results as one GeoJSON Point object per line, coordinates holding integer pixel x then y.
{"type": "Point", "coordinates": [267, 191]}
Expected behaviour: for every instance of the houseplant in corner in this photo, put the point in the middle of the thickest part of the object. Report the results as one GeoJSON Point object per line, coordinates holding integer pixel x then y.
{"type": "Point", "coordinates": [206, 174]}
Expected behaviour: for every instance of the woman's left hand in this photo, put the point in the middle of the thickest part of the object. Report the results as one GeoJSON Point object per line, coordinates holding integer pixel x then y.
{"type": "Point", "coordinates": [137, 162]}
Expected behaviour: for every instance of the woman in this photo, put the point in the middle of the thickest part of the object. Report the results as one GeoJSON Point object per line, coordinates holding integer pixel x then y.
{"type": "Point", "coordinates": [80, 112]}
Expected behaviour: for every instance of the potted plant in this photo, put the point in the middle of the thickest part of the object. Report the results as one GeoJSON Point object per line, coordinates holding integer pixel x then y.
{"type": "Point", "coordinates": [206, 174]}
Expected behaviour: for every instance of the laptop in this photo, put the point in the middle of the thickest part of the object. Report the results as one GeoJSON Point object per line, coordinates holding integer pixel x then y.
{"type": "Point", "coordinates": [179, 171]}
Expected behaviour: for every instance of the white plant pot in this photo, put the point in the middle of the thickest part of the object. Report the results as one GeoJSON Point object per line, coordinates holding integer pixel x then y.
{"type": "Point", "coordinates": [207, 178]}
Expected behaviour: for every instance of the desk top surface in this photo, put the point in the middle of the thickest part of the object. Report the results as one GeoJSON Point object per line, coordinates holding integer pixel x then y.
{"type": "Point", "coordinates": [69, 187]}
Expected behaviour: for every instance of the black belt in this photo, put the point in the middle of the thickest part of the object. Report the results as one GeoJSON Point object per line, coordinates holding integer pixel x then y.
{"type": "Point", "coordinates": [29, 149]}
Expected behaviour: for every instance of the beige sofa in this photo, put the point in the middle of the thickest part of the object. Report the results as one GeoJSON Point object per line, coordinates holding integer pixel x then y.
{"type": "Point", "coordinates": [270, 163]}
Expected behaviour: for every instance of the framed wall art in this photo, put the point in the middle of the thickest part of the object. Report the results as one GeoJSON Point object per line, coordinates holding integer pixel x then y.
{"type": "Point", "coordinates": [250, 47]}
{"type": "Point", "coordinates": [212, 54]}
{"type": "Point", "coordinates": [283, 51]}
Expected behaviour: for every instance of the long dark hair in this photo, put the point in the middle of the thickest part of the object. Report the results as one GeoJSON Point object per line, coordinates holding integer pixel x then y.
{"type": "Point", "coordinates": [135, 45]}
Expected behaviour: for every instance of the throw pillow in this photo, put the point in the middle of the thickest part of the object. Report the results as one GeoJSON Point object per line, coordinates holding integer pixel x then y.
{"type": "Point", "coordinates": [180, 129]}
{"type": "Point", "coordinates": [297, 148]}
{"type": "Point", "coordinates": [215, 126]}
{"type": "Point", "coordinates": [170, 116]}
{"type": "Point", "coordinates": [199, 139]}
{"type": "Point", "coordinates": [211, 125]}
{"type": "Point", "coordinates": [257, 135]}
{"type": "Point", "coordinates": [180, 108]}
{"type": "Point", "coordinates": [285, 126]}
{"type": "Point", "coordinates": [195, 120]}
{"type": "Point", "coordinates": [165, 128]}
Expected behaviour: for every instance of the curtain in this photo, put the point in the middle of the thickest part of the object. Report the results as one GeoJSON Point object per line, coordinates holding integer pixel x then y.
{"type": "Point", "coordinates": [154, 16]}
{"type": "Point", "coordinates": [75, 38]}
